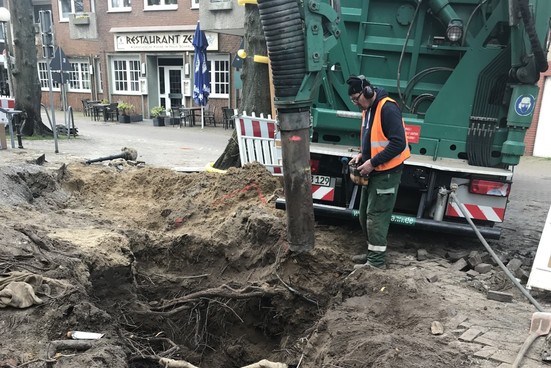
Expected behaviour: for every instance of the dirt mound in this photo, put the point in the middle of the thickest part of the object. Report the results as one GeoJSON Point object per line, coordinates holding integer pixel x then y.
{"type": "Point", "coordinates": [194, 267]}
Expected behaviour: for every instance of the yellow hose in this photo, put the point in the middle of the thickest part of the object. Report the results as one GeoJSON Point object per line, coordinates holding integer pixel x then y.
{"type": "Point", "coordinates": [210, 168]}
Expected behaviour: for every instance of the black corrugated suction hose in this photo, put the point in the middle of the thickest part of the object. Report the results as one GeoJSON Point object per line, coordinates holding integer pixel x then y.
{"type": "Point", "coordinates": [541, 60]}
{"type": "Point", "coordinates": [280, 21]}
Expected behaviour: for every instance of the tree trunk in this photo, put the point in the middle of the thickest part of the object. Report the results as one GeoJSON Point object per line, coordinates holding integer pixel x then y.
{"type": "Point", "coordinates": [256, 83]}
{"type": "Point", "coordinates": [27, 90]}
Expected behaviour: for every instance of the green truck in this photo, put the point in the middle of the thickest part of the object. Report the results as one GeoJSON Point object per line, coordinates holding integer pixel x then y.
{"type": "Point", "coordinates": [464, 72]}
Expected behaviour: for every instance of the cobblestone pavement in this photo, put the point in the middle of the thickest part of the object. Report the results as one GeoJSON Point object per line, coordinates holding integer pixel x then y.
{"type": "Point", "coordinates": [168, 146]}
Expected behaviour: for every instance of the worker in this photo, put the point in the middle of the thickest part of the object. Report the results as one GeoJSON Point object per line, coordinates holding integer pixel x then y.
{"type": "Point", "coordinates": [384, 149]}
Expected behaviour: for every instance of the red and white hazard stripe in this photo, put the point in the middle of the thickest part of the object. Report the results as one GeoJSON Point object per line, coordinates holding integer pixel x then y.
{"type": "Point", "coordinates": [261, 128]}
{"type": "Point", "coordinates": [7, 103]}
{"type": "Point", "coordinates": [495, 214]}
{"type": "Point", "coordinates": [276, 170]}
{"type": "Point", "coordinates": [323, 193]}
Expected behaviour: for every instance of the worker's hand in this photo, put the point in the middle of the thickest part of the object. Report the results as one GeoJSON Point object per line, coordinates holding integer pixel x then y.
{"type": "Point", "coordinates": [366, 168]}
{"type": "Point", "coordinates": [356, 158]}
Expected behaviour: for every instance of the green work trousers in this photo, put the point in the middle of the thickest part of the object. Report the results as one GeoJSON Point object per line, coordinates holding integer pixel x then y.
{"type": "Point", "coordinates": [376, 204]}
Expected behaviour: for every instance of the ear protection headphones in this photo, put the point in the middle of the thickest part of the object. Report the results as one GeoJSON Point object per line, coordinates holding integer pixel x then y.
{"type": "Point", "coordinates": [367, 88]}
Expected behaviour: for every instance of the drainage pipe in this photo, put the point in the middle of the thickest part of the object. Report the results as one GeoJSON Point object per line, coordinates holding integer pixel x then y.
{"type": "Point", "coordinates": [285, 39]}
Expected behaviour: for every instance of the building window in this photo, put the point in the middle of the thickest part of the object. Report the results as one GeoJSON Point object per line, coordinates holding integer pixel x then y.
{"type": "Point", "coordinates": [194, 4]}
{"type": "Point", "coordinates": [126, 76]}
{"type": "Point", "coordinates": [160, 4]}
{"type": "Point", "coordinates": [37, 9]}
{"type": "Point", "coordinates": [120, 5]}
{"type": "Point", "coordinates": [43, 76]}
{"type": "Point", "coordinates": [79, 77]}
{"type": "Point", "coordinates": [219, 76]}
{"type": "Point", "coordinates": [67, 7]}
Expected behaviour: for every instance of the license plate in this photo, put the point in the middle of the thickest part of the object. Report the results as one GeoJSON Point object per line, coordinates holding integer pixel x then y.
{"type": "Point", "coordinates": [323, 181]}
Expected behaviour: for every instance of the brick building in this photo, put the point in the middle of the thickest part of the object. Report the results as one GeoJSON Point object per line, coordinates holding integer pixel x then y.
{"type": "Point", "coordinates": [540, 120]}
{"type": "Point", "coordinates": [139, 52]}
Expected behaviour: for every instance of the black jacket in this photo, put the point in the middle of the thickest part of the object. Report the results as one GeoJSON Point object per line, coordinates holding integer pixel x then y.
{"type": "Point", "coordinates": [391, 121]}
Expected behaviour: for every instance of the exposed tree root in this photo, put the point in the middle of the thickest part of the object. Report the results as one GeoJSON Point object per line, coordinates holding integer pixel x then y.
{"type": "Point", "coordinates": [223, 291]}
{"type": "Point", "coordinates": [169, 363]}
{"type": "Point", "coordinates": [58, 345]}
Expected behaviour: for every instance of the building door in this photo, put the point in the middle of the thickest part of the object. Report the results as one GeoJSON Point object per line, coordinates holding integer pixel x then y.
{"type": "Point", "coordinates": [171, 86]}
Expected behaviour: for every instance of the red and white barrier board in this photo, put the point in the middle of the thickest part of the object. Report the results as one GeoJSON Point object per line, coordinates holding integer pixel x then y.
{"type": "Point", "coordinates": [6, 103]}
{"type": "Point", "coordinates": [259, 141]}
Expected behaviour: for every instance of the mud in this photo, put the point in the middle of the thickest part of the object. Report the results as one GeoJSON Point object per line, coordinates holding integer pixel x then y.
{"type": "Point", "coordinates": [195, 267]}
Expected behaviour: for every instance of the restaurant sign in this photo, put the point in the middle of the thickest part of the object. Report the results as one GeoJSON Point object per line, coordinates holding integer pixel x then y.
{"type": "Point", "coordinates": [161, 41]}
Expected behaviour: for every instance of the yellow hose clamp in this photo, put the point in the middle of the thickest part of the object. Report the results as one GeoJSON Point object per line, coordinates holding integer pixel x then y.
{"type": "Point", "coordinates": [243, 2]}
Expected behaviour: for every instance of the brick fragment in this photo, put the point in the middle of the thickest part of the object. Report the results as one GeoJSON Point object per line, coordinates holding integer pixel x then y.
{"type": "Point", "coordinates": [472, 273]}
{"type": "Point", "coordinates": [436, 328]}
{"type": "Point", "coordinates": [422, 254]}
{"type": "Point", "coordinates": [485, 352]}
{"type": "Point", "coordinates": [514, 264]}
{"type": "Point", "coordinates": [483, 268]}
{"type": "Point", "coordinates": [456, 321]}
{"type": "Point", "coordinates": [456, 255]}
{"type": "Point", "coordinates": [485, 256]}
{"type": "Point", "coordinates": [432, 278]}
{"type": "Point", "coordinates": [474, 259]}
{"type": "Point", "coordinates": [489, 259]}
{"type": "Point", "coordinates": [459, 265]}
{"type": "Point", "coordinates": [485, 341]}
{"type": "Point", "coordinates": [499, 296]}
{"type": "Point", "coordinates": [505, 357]}
{"type": "Point", "coordinates": [522, 275]}
{"type": "Point", "coordinates": [470, 334]}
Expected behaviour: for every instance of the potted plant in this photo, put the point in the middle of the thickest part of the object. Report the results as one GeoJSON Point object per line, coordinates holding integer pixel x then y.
{"type": "Point", "coordinates": [158, 115]}
{"type": "Point", "coordinates": [125, 109]}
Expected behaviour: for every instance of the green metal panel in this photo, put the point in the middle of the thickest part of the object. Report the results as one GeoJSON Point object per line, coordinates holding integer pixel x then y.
{"type": "Point", "coordinates": [461, 93]}
{"type": "Point", "coordinates": [521, 111]}
{"type": "Point", "coordinates": [522, 107]}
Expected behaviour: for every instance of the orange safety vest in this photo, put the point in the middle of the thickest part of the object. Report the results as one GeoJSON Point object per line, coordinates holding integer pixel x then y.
{"type": "Point", "coordinates": [379, 141]}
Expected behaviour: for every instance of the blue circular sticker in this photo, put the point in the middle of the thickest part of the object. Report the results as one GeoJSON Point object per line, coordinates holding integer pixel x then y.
{"type": "Point", "coordinates": [524, 105]}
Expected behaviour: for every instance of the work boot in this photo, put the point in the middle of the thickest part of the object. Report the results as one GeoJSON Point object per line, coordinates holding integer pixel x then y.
{"type": "Point", "coordinates": [359, 258]}
{"type": "Point", "coordinates": [369, 265]}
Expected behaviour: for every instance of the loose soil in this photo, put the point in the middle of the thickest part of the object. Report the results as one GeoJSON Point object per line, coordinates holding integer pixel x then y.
{"type": "Point", "coordinates": [195, 267]}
